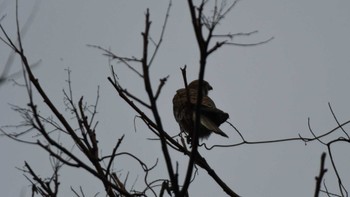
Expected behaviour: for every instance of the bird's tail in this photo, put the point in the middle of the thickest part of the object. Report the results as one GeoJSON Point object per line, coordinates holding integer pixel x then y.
{"type": "Point", "coordinates": [210, 125]}
{"type": "Point", "coordinates": [220, 132]}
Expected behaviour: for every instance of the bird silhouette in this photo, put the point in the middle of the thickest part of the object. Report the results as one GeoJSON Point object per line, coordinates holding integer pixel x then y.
{"type": "Point", "coordinates": [184, 109]}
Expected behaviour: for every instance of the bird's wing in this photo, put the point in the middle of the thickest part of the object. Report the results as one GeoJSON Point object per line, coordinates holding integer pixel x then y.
{"type": "Point", "coordinates": [180, 104]}
{"type": "Point", "coordinates": [211, 117]}
{"type": "Point", "coordinates": [209, 109]}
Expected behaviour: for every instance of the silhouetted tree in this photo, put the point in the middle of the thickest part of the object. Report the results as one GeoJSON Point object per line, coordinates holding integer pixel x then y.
{"type": "Point", "coordinates": [205, 17]}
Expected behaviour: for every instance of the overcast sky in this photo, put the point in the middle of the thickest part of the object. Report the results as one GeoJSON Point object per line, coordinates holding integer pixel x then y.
{"type": "Point", "coordinates": [269, 90]}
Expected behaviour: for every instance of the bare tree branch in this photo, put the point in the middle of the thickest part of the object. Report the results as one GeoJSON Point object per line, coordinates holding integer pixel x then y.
{"type": "Point", "coordinates": [148, 88]}
{"type": "Point", "coordinates": [319, 179]}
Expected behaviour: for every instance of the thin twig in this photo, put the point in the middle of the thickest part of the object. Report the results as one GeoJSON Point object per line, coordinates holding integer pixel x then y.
{"type": "Point", "coordinates": [336, 119]}
{"type": "Point", "coordinates": [113, 154]}
{"type": "Point", "coordinates": [161, 34]}
{"type": "Point", "coordinates": [250, 44]}
{"type": "Point", "coordinates": [161, 84]}
{"type": "Point", "coordinates": [124, 60]}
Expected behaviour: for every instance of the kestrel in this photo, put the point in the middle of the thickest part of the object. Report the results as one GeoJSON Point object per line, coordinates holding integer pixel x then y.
{"type": "Point", "coordinates": [184, 111]}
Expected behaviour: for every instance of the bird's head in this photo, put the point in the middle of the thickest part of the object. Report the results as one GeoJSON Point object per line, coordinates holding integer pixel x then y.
{"type": "Point", "coordinates": [205, 86]}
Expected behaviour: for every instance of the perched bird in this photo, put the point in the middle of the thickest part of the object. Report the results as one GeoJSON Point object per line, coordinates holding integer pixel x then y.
{"type": "Point", "coordinates": [184, 109]}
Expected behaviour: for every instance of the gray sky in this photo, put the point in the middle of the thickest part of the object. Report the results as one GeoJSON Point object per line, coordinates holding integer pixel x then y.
{"type": "Point", "coordinates": [269, 90]}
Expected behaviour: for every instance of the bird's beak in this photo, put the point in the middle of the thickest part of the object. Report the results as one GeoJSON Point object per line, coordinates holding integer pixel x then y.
{"type": "Point", "coordinates": [210, 88]}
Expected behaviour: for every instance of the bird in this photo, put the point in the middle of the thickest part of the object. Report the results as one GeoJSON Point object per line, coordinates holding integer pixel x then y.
{"type": "Point", "coordinates": [184, 109]}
